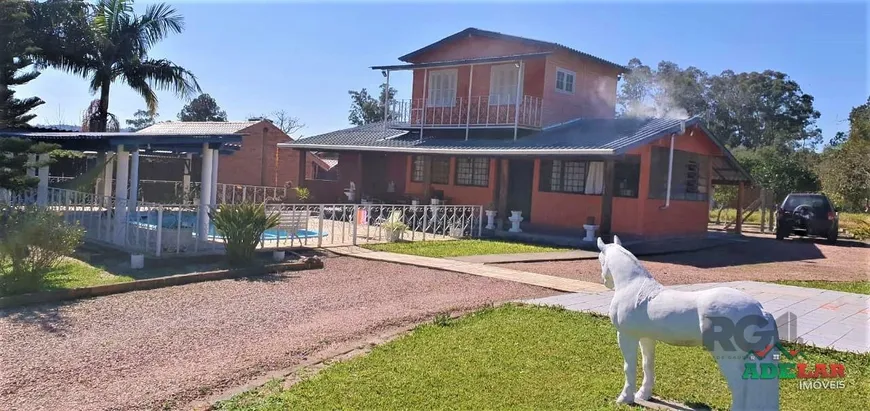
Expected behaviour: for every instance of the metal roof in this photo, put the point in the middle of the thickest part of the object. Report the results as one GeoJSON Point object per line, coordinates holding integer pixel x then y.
{"type": "Point", "coordinates": [471, 31]}
{"type": "Point", "coordinates": [581, 137]}
{"type": "Point", "coordinates": [107, 141]}
{"type": "Point", "coordinates": [463, 62]}
{"type": "Point", "coordinates": [197, 127]}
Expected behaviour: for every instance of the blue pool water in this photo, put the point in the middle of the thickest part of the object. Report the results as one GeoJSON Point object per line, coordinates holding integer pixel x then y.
{"type": "Point", "coordinates": [188, 220]}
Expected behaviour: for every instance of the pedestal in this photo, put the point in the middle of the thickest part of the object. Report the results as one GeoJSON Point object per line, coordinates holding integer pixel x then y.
{"type": "Point", "coordinates": [515, 219]}
{"type": "Point", "coordinates": [590, 232]}
{"type": "Point", "coordinates": [490, 219]}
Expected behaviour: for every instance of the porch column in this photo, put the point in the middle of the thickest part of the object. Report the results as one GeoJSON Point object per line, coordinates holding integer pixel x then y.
{"type": "Point", "coordinates": [122, 171]}
{"type": "Point", "coordinates": [303, 166]}
{"type": "Point", "coordinates": [185, 179]}
{"type": "Point", "coordinates": [738, 225]}
{"type": "Point", "coordinates": [134, 178]}
{"type": "Point", "coordinates": [468, 106]}
{"type": "Point", "coordinates": [214, 177]}
{"type": "Point", "coordinates": [205, 191]}
{"type": "Point", "coordinates": [31, 171]}
{"type": "Point", "coordinates": [519, 97]}
{"type": "Point", "coordinates": [386, 105]}
{"type": "Point", "coordinates": [503, 179]}
{"type": "Point", "coordinates": [427, 178]}
{"type": "Point", "coordinates": [42, 188]}
{"type": "Point", "coordinates": [359, 177]}
{"type": "Point", "coordinates": [604, 229]}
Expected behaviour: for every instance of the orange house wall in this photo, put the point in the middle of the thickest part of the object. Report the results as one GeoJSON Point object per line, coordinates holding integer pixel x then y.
{"type": "Point", "coordinates": [594, 90]}
{"type": "Point", "coordinates": [533, 83]}
{"type": "Point", "coordinates": [640, 216]}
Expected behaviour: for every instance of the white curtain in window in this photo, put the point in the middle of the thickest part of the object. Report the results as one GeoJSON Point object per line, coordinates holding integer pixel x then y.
{"type": "Point", "coordinates": [442, 88]}
{"type": "Point", "coordinates": [595, 178]}
{"type": "Point", "coordinates": [503, 84]}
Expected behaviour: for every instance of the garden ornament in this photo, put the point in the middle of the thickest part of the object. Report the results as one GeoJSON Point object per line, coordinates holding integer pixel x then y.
{"type": "Point", "coordinates": [643, 312]}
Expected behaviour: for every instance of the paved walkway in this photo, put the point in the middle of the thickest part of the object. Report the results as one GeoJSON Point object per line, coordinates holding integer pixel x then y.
{"type": "Point", "coordinates": [824, 318]}
{"type": "Point", "coordinates": [540, 280]}
{"type": "Point", "coordinates": [527, 257]}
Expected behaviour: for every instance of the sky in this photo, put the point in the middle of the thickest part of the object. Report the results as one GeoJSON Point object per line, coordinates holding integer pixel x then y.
{"type": "Point", "coordinates": [256, 58]}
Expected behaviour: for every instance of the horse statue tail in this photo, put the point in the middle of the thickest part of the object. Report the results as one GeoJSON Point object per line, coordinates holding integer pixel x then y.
{"type": "Point", "coordinates": [761, 394]}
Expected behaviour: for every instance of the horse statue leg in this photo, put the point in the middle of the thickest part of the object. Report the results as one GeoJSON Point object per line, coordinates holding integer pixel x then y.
{"type": "Point", "coordinates": [749, 394]}
{"type": "Point", "coordinates": [648, 350]}
{"type": "Point", "coordinates": [628, 346]}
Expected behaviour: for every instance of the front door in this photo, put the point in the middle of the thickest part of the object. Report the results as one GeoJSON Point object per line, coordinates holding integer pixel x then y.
{"type": "Point", "coordinates": [519, 194]}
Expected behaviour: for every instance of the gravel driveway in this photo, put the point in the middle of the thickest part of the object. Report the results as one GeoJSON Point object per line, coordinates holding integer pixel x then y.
{"type": "Point", "coordinates": [146, 349]}
{"type": "Point", "coordinates": [761, 258]}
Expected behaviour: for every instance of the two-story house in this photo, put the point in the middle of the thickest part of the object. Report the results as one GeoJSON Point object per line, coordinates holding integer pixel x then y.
{"type": "Point", "coordinates": [527, 125]}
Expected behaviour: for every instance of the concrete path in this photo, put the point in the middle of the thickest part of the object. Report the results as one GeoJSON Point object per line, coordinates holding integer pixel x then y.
{"type": "Point", "coordinates": [527, 257]}
{"type": "Point", "coordinates": [540, 280]}
{"type": "Point", "coordinates": [831, 319]}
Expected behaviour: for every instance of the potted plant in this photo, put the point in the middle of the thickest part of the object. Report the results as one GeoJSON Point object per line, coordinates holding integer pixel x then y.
{"type": "Point", "coordinates": [242, 227]}
{"type": "Point", "coordinates": [394, 230]}
{"type": "Point", "coordinates": [457, 231]}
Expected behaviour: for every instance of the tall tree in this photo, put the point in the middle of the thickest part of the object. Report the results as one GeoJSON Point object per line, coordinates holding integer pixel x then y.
{"type": "Point", "coordinates": [202, 108]}
{"type": "Point", "coordinates": [117, 49]}
{"type": "Point", "coordinates": [91, 119]}
{"type": "Point", "coordinates": [15, 160]}
{"type": "Point", "coordinates": [16, 44]}
{"type": "Point", "coordinates": [365, 109]}
{"type": "Point", "coordinates": [142, 119]}
{"type": "Point", "coordinates": [844, 168]}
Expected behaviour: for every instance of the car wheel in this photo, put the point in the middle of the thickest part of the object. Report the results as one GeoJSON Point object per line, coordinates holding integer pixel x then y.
{"type": "Point", "coordinates": [832, 238]}
{"type": "Point", "coordinates": [780, 235]}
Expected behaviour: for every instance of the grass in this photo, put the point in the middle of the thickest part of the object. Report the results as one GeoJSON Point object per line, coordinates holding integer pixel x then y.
{"type": "Point", "coordinates": [858, 287]}
{"type": "Point", "coordinates": [857, 224]}
{"type": "Point", "coordinates": [72, 273]}
{"type": "Point", "coordinates": [531, 358]}
{"type": "Point", "coordinates": [458, 248]}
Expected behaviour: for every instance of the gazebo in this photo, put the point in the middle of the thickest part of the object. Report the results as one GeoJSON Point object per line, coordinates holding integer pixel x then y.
{"type": "Point", "coordinates": [127, 148]}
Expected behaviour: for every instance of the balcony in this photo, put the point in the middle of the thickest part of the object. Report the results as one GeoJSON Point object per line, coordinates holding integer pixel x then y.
{"type": "Point", "coordinates": [461, 112]}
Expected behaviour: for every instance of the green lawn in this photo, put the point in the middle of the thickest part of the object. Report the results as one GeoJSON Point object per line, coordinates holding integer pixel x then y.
{"type": "Point", "coordinates": [458, 248]}
{"type": "Point", "coordinates": [72, 273]}
{"type": "Point", "coordinates": [521, 357]}
{"type": "Point", "coordinates": [859, 287]}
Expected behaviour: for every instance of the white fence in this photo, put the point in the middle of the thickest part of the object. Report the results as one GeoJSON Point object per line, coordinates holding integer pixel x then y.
{"type": "Point", "coordinates": [173, 229]}
{"type": "Point", "coordinates": [172, 192]}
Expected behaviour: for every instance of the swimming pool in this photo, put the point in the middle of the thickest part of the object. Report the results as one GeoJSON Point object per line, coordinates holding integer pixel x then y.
{"type": "Point", "coordinates": [188, 220]}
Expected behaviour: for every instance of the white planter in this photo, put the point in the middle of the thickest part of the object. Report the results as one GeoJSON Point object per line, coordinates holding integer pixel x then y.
{"type": "Point", "coordinates": [137, 261]}
{"type": "Point", "coordinates": [351, 194]}
{"type": "Point", "coordinates": [435, 201]}
{"type": "Point", "coordinates": [490, 219]}
{"type": "Point", "coordinates": [457, 232]}
{"type": "Point", "coordinates": [590, 232]}
{"type": "Point", "coordinates": [278, 256]}
{"type": "Point", "coordinates": [515, 219]}
{"type": "Point", "coordinates": [415, 202]}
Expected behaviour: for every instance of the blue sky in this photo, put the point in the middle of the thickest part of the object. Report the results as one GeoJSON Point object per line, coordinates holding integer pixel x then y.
{"type": "Point", "coordinates": [303, 58]}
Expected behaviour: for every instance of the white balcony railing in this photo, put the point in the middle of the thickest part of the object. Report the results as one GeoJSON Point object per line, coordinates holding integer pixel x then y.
{"type": "Point", "coordinates": [480, 111]}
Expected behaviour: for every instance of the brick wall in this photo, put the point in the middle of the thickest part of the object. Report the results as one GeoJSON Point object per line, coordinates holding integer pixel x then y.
{"type": "Point", "coordinates": [260, 162]}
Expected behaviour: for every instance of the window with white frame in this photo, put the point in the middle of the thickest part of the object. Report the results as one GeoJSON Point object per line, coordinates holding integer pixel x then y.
{"type": "Point", "coordinates": [442, 88]}
{"type": "Point", "coordinates": [503, 84]}
{"type": "Point", "coordinates": [565, 80]}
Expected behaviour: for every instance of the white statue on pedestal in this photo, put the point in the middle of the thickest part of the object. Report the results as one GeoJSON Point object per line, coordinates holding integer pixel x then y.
{"type": "Point", "coordinates": [644, 312]}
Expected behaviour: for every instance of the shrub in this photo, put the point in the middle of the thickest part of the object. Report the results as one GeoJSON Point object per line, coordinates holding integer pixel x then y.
{"type": "Point", "coordinates": [242, 226]}
{"type": "Point", "coordinates": [302, 194]}
{"type": "Point", "coordinates": [33, 240]}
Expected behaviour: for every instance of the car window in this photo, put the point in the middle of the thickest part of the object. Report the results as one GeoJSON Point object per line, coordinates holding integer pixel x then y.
{"type": "Point", "coordinates": [818, 203]}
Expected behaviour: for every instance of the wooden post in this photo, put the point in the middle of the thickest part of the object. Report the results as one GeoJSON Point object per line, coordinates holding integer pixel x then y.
{"type": "Point", "coordinates": [772, 207]}
{"type": "Point", "coordinates": [763, 208]}
{"type": "Point", "coordinates": [497, 187]}
{"type": "Point", "coordinates": [604, 228]}
{"type": "Point", "coordinates": [427, 178]}
{"type": "Point", "coordinates": [503, 178]}
{"type": "Point", "coordinates": [738, 225]}
{"type": "Point", "coordinates": [303, 166]}
{"type": "Point", "coordinates": [359, 177]}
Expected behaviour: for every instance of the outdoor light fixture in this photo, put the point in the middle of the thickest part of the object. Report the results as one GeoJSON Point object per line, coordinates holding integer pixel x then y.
{"type": "Point", "coordinates": [384, 73]}
{"type": "Point", "coordinates": [517, 64]}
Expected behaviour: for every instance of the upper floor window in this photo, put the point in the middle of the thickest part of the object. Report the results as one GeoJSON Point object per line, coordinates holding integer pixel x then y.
{"type": "Point", "coordinates": [442, 88]}
{"type": "Point", "coordinates": [565, 80]}
{"type": "Point", "coordinates": [689, 179]}
{"type": "Point", "coordinates": [503, 84]}
{"type": "Point", "coordinates": [472, 171]}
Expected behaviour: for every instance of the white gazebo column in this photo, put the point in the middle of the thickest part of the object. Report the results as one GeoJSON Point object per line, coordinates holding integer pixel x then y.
{"type": "Point", "coordinates": [185, 180]}
{"type": "Point", "coordinates": [42, 188]}
{"type": "Point", "coordinates": [122, 172]}
{"type": "Point", "coordinates": [205, 191]}
{"type": "Point", "coordinates": [214, 177]}
{"type": "Point", "coordinates": [107, 176]}
{"type": "Point", "coordinates": [134, 178]}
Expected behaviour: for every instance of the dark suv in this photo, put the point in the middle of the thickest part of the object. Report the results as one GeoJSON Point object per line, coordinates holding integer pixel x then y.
{"type": "Point", "coordinates": [807, 214]}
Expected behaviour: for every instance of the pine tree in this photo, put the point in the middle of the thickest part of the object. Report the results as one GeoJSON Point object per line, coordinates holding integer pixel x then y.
{"type": "Point", "coordinates": [15, 46]}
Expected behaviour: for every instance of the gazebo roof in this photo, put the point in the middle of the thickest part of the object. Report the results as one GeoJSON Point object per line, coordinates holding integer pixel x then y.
{"type": "Point", "coordinates": [108, 141]}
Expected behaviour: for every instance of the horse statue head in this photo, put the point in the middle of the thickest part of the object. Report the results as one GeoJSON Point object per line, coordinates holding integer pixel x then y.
{"type": "Point", "coordinates": [618, 265]}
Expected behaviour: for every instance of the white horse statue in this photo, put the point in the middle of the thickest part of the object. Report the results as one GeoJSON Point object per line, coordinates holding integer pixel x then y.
{"type": "Point", "coordinates": [643, 312]}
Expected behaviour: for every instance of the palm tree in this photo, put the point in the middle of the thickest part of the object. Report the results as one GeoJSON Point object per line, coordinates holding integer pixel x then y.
{"type": "Point", "coordinates": [117, 49]}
